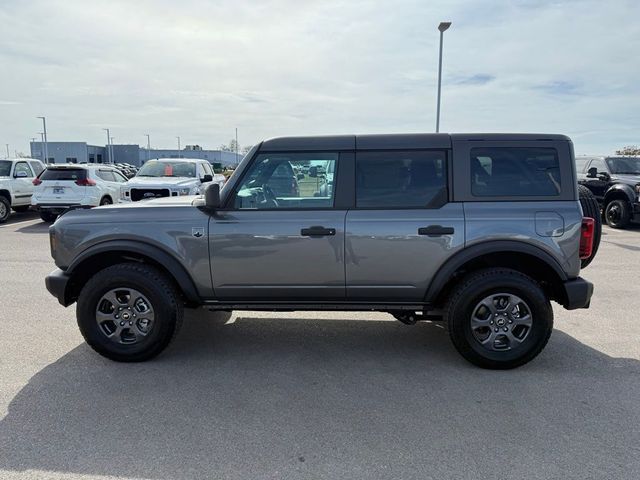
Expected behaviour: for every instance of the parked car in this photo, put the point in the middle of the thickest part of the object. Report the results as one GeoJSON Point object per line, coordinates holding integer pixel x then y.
{"type": "Point", "coordinates": [171, 177]}
{"type": "Point", "coordinates": [482, 231]}
{"type": "Point", "coordinates": [15, 184]}
{"type": "Point", "coordinates": [615, 182]}
{"type": "Point", "coordinates": [61, 187]}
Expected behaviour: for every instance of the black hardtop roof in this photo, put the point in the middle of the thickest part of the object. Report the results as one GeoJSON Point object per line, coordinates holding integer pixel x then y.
{"type": "Point", "coordinates": [396, 141]}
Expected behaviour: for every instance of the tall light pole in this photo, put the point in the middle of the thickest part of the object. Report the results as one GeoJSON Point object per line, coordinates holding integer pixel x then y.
{"type": "Point", "coordinates": [236, 144]}
{"type": "Point", "coordinates": [442, 28]}
{"type": "Point", "coordinates": [148, 146]}
{"type": "Point", "coordinates": [7, 149]}
{"type": "Point", "coordinates": [108, 144]}
{"type": "Point", "coordinates": [46, 146]}
{"type": "Point", "coordinates": [178, 146]}
{"type": "Point", "coordinates": [42, 147]}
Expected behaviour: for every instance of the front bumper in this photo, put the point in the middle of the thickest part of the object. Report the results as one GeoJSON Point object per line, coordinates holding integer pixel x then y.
{"type": "Point", "coordinates": [577, 293]}
{"type": "Point", "coordinates": [56, 283]}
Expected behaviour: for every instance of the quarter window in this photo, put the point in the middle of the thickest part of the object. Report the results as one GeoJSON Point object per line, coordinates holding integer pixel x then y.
{"type": "Point", "coordinates": [289, 181]}
{"type": "Point", "coordinates": [401, 179]}
{"type": "Point", "coordinates": [514, 172]}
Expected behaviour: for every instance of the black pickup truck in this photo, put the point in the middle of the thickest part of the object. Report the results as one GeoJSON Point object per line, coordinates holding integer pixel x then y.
{"type": "Point", "coordinates": [615, 182]}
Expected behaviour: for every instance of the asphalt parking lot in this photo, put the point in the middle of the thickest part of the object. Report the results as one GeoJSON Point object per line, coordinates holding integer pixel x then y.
{"type": "Point", "coordinates": [316, 395]}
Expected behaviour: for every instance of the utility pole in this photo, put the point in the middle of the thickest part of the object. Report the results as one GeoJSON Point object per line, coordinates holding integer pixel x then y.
{"type": "Point", "coordinates": [236, 144]}
{"type": "Point", "coordinates": [178, 146]}
{"type": "Point", "coordinates": [442, 28]}
{"type": "Point", "coordinates": [42, 147]}
{"type": "Point", "coordinates": [46, 146]}
{"type": "Point", "coordinates": [108, 144]}
{"type": "Point", "coordinates": [7, 149]}
{"type": "Point", "coordinates": [148, 147]}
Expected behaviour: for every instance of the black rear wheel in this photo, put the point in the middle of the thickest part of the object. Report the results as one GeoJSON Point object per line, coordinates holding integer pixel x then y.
{"type": "Point", "coordinates": [48, 217]}
{"type": "Point", "coordinates": [591, 208]}
{"type": "Point", "coordinates": [499, 318]}
{"type": "Point", "coordinates": [617, 213]}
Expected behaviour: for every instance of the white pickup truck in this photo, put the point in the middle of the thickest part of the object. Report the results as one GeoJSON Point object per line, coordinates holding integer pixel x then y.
{"type": "Point", "coordinates": [16, 184]}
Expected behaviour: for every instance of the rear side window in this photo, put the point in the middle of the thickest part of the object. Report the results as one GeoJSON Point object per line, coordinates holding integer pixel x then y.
{"type": "Point", "coordinates": [37, 167]}
{"type": "Point", "coordinates": [107, 175]}
{"type": "Point", "coordinates": [64, 174]}
{"type": "Point", "coordinates": [514, 172]}
{"type": "Point", "coordinates": [401, 179]}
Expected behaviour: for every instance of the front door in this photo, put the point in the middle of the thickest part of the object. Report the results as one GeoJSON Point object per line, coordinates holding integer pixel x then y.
{"type": "Point", "coordinates": [280, 237]}
{"type": "Point", "coordinates": [23, 183]}
{"type": "Point", "coordinates": [403, 226]}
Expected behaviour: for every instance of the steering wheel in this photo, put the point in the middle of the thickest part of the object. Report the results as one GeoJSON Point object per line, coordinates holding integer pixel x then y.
{"type": "Point", "coordinates": [269, 196]}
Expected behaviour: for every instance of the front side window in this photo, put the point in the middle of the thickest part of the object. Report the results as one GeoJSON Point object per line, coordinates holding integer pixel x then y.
{"type": "Point", "coordinates": [23, 167]}
{"type": "Point", "coordinates": [624, 165]}
{"type": "Point", "coordinates": [581, 164]}
{"type": "Point", "coordinates": [401, 179]}
{"type": "Point", "coordinates": [599, 164]}
{"type": "Point", "coordinates": [154, 168]}
{"type": "Point", "coordinates": [288, 180]}
{"type": "Point", "coordinates": [37, 167]}
{"type": "Point", "coordinates": [514, 172]}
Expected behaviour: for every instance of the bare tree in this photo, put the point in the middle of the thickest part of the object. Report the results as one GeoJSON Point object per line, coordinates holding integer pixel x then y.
{"type": "Point", "coordinates": [629, 150]}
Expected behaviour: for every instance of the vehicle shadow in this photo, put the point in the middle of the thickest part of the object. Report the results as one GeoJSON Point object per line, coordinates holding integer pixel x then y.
{"type": "Point", "coordinates": [311, 398]}
{"type": "Point", "coordinates": [42, 227]}
{"type": "Point", "coordinates": [16, 217]}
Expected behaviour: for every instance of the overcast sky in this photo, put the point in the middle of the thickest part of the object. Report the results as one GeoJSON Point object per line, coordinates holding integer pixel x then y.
{"type": "Point", "coordinates": [290, 67]}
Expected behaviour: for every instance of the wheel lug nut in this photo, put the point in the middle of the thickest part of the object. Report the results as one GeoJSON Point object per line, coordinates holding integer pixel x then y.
{"type": "Point", "coordinates": [131, 323]}
{"type": "Point", "coordinates": [497, 329]}
{"type": "Point", "coordinates": [116, 316]}
{"type": "Point", "coordinates": [506, 329]}
{"type": "Point", "coordinates": [122, 324]}
{"type": "Point", "coordinates": [491, 322]}
{"type": "Point", "coordinates": [510, 321]}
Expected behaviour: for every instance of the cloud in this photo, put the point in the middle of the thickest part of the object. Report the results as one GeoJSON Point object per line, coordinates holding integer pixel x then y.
{"type": "Point", "coordinates": [199, 69]}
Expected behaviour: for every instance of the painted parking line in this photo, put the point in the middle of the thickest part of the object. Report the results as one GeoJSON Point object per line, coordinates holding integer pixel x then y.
{"type": "Point", "coordinates": [32, 220]}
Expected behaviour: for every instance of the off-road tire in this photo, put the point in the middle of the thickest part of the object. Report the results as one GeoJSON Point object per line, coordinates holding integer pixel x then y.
{"type": "Point", "coordinates": [622, 219]}
{"type": "Point", "coordinates": [155, 286]}
{"type": "Point", "coordinates": [482, 283]}
{"type": "Point", "coordinates": [591, 208]}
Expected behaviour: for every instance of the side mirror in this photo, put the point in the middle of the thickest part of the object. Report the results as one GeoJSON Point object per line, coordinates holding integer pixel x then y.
{"type": "Point", "coordinates": [604, 176]}
{"type": "Point", "coordinates": [20, 175]}
{"type": "Point", "coordinates": [313, 172]}
{"type": "Point", "coordinates": [212, 196]}
{"type": "Point", "coordinates": [206, 179]}
{"type": "Point", "coordinates": [592, 172]}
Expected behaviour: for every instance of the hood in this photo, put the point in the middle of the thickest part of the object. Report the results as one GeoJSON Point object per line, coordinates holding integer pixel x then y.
{"type": "Point", "coordinates": [162, 181]}
{"type": "Point", "coordinates": [178, 201]}
{"type": "Point", "coordinates": [630, 179]}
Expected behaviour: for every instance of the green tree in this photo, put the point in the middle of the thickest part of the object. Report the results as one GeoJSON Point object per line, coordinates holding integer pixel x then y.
{"type": "Point", "coordinates": [629, 150]}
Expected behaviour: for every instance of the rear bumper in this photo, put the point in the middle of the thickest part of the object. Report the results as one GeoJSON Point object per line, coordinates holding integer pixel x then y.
{"type": "Point", "coordinates": [56, 283]}
{"type": "Point", "coordinates": [577, 293]}
{"type": "Point", "coordinates": [57, 208]}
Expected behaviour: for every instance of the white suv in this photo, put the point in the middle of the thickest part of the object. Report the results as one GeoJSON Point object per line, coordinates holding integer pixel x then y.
{"type": "Point", "coordinates": [61, 187]}
{"type": "Point", "coordinates": [15, 184]}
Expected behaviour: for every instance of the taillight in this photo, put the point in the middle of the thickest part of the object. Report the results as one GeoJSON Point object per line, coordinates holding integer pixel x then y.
{"type": "Point", "coordinates": [586, 237]}
{"type": "Point", "coordinates": [85, 182]}
{"type": "Point", "coordinates": [36, 181]}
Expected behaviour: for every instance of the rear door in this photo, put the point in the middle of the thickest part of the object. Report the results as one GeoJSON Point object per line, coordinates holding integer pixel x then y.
{"type": "Point", "coordinates": [403, 226]}
{"type": "Point", "coordinates": [61, 185]}
{"type": "Point", "coordinates": [271, 244]}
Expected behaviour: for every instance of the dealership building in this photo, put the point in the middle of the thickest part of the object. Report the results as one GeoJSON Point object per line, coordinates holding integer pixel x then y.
{"type": "Point", "coordinates": [81, 152]}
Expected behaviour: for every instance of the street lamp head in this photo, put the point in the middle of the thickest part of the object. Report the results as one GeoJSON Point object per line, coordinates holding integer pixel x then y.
{"type": "Point", "coordinates": [444, 26]}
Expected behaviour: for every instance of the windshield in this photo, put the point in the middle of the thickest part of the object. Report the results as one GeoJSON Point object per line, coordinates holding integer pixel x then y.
{"type": "Point", "coordinates": [5, 168]}
{"type": "Point", "coordinates": [167, 169]}
{"type": "Point", "coordinates": [626, 165]}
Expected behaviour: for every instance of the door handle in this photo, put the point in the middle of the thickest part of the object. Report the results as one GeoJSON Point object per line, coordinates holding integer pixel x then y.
{"type": "Point", "coordinates": [435, 231]}
{"type": "Point", "coordinates": [317, 231]}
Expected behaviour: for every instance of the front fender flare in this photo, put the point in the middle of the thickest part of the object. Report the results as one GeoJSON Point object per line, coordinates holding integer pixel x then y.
{"type": "Point", "coordinates": [160, 256]}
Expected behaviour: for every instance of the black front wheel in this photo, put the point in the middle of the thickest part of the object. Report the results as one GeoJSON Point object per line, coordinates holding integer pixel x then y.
{"type": "Point", "coordinates": [129, 312]}
{"type": "Point", "coordinates": [5, 209]}
{"type": "Point", "coordinates": [499, 318]}
{"type": "Point", "coordinates": [617, 213]}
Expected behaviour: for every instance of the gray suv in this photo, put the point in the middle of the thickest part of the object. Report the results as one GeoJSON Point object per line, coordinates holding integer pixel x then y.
{"type": "Point", "coordinates": [480, 231]}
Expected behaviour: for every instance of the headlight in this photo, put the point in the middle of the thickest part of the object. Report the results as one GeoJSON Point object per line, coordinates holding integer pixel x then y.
{"type": "Point", "coordinates": [184, 191]}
